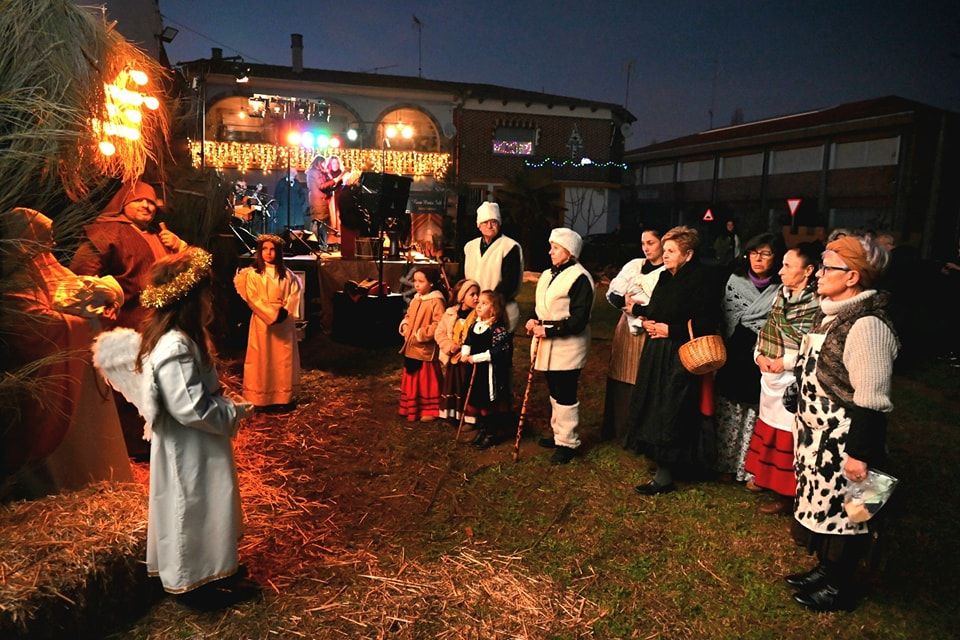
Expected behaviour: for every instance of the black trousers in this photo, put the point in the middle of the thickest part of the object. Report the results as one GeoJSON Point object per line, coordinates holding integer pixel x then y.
{"type": "Point", "coordinates": [563, 385]}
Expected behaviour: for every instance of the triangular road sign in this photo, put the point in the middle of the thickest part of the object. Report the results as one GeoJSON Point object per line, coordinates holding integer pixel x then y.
{"type": "Point", "coordinates": [708, 216]}
{"type": "Point", "coordinates": [793, 204]}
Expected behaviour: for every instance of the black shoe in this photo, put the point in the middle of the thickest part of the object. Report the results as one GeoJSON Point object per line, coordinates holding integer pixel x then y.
{"type": "Point", "coordinates": [826, 598]}
{"type": "Point", "coordinates": [487, 441]}
{"type": "Point", "coordinates": [654, 489]}
{"type": "Point", "coordinates": [547, 443]}
{"type": "Point", "coordinates": [808, 580]}
{"type": "Point", "coordinates": [220, 595]}
{"type": "Point", "coordinates": [562, 455]}
{"type": "Point", "coordinates": [481, 434]}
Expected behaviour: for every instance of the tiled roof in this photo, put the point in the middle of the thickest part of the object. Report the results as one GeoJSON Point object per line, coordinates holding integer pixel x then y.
{"type": "Point", "coordinates": [465, 90]}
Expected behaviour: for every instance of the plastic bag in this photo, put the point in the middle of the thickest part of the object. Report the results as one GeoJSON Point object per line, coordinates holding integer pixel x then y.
{"type": "Point", "coordinates": [862, 500]}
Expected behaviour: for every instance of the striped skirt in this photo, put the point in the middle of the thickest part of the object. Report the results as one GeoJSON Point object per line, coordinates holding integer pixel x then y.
{"type": "Point", "coordinates": [420, 392]}
{"type": "Point", "coordinates": [770, 459]}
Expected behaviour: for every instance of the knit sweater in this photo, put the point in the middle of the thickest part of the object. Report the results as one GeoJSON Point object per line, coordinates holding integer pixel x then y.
{"type": "Point", "coordinates": [868, 352]}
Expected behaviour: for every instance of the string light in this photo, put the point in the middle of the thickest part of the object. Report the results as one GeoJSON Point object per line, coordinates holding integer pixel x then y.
{"type": "Point", "coordinates": [268, 157]}
{"type": "Point", "coordinates": [119, 127]}
{"type": "Point", "coordinates": [566, 162]}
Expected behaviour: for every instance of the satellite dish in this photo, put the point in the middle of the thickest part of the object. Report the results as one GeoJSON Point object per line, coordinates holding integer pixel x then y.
{"type": "Point", "coordinates": [449, 129]}
{"type": "Point", "coordinates": [625, 129]}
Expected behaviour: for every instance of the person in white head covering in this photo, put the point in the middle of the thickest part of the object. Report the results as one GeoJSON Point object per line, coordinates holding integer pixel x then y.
{"type": "Point", "coordinates": [564, 299]}
{"type": "Point", "coordinates": [495, 261]}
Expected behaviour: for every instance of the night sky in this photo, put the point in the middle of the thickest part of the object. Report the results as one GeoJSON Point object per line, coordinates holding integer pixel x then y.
{"type": "Point", "coordinates": [765, 58]}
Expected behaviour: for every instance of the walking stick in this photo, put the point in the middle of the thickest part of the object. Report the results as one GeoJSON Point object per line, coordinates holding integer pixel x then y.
{"type": "Point", "coordinates": [526, 398]}
{"type": "Point", "coordinates": [463, 412]}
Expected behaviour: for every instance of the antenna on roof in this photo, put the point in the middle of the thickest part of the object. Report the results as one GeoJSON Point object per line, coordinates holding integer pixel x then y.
{"type": "Point", "coordinates": [419, 27]}
{"type": "Point", "coordinates": [626, 97]}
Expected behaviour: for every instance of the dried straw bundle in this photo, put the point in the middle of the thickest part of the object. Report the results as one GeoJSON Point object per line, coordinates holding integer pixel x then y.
{"type": "Point", "coordinates": [53, 548]}
{"type": "Point", "coordinates": [54, 64]}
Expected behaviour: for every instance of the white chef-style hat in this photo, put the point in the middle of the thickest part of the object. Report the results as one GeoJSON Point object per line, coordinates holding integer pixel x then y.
{"type": "Point", "coordinates": [568, 239]}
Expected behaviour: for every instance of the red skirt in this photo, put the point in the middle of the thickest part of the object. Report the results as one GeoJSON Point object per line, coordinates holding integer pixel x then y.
{"type": "Point", "coordinates": [420, 392]}
{"type": "Point", "coordinates": [770, 459]}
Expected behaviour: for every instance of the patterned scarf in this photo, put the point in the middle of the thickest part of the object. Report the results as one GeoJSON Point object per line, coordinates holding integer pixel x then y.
{"type": "Point", "coordinates": [791, 317]}
{"type": "Point", "coordinates": [744, 304]}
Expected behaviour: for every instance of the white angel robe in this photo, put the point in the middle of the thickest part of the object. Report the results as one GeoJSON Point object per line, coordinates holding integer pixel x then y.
{"type": "Point", "coordinates": [194, 518]}
{"type": "Point", "coordinates": [271, 370]}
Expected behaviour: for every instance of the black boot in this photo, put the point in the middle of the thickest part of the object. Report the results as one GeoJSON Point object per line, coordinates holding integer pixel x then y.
{"type": "Point", "coordinates": [808, 580]}
{"type": "Point", "coordinates": [827, 598]}
{"type": "Point", "coordinates": [481, 434]}
{"type": "Point", "coordinates": [490, 439]}
{"type": "Point", "coordinates": [562, 455]}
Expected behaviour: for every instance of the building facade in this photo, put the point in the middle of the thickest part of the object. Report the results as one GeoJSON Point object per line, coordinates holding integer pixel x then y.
{"type": "Point", "coordinates": [882, 164]}
{"type": "Point", "coordinates": [460, 142]}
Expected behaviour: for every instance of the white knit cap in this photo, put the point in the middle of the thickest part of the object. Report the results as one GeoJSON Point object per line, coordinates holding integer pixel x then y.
{"type": "Point", "coordinates": [488, 211]}
{"type": "Point", "coordinates": [568, 239]}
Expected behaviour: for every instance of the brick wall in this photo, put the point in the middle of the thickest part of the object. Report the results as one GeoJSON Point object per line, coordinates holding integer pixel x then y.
{"type": "Point", "coordinates": [476, 131]}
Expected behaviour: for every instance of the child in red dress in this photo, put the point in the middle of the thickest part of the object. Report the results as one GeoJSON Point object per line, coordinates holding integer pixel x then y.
{"type": "Point", "coordinates": [420, 383]}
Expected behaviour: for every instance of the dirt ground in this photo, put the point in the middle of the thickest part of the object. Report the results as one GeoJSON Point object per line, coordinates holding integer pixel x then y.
{"type": "Point", "coordinates": [362, 525]}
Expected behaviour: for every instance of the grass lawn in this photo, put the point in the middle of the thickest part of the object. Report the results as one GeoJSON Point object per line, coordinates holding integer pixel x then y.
{"type": "Point", "coordinates": [378, 528]}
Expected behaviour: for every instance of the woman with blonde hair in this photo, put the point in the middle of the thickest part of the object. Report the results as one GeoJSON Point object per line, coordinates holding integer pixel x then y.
{"type": "Point", "coordinates": [664, 409]}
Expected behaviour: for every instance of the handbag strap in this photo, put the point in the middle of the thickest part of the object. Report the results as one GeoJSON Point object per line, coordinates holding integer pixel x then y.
{"type": "Point", "coordinates": [690, 327]}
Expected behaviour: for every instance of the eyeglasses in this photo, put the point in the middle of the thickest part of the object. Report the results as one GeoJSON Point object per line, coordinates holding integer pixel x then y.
{"type": "Point", "coordinates": [825, 267]}
{"type": "Point", "coordinates": [760, 254]}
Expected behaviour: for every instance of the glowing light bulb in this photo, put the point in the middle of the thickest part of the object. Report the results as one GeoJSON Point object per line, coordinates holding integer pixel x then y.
{"type": "Point", "coordinates": [293, 138]}
{"type": "Point", "coordinates": [352, 135]}
{"type": "Point", "coordinates": [107, 148]}
{"type": "Point", "coordinates": [151, 103]}
{"type": "Point", "coordinates": [242, 114]}
{"type": "Point", "coordinates": [139, 77]}
{"type": "Point", "coordinates": [391, 131]}
{"type": "Point", "coordinates": [407, 132]}
{"type": "Point", "coordinates": [133, 115]}
{"type": "Point", "coordinates": [335, 142]}
{"type": "Point", "coordinates": [307, 139]}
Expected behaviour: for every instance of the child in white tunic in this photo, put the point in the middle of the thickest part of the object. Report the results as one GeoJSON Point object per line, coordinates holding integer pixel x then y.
{"type": "Point", "coordinates": [194, 516]}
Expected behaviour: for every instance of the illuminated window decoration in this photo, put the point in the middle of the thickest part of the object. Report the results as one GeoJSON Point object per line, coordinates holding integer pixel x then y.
{"type": "Point", "coordinates": [514, 140]}
{"type": "Point", "coordinates": [565, 162]}
{"type": "Point", "coordinates": [512, 148]}
{"type": "Point", "coordinates": [118, 129]}
{"type": "Point", "coordinates": [266, 157]}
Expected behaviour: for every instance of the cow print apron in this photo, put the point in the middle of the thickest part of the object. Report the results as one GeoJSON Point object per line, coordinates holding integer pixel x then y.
{"type": "Point", "coordinates": [821, 433]}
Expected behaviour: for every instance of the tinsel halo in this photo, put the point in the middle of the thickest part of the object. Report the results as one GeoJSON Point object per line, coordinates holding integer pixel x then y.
{"type": "Point", "coordinates": [158, 297]}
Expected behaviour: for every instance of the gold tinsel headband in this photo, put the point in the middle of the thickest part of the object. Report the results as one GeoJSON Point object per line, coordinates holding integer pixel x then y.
{"type": "Point", "coordinates": [158, 297]}
{"type": "Point", "coordinates": [277, 241]}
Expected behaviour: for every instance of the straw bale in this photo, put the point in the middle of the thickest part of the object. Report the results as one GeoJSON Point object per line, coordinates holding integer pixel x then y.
{"type": "Point", "coordinates": [59, 547]}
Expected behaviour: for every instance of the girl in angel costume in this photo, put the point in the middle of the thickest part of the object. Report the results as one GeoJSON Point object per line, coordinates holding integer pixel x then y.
{"type": "Point", "coordinates": [168, 372]}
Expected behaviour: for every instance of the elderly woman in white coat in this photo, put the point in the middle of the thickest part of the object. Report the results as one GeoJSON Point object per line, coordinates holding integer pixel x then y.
{"type": "Point", "coordinates": [561, 338]}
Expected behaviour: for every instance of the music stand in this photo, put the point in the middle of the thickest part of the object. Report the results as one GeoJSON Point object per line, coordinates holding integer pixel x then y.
{"type": "Point", "coordinates": [392, 192]}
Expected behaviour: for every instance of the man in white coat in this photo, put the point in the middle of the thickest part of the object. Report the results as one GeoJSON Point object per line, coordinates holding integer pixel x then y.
{"type": "Point", "coordinates": [495, 261]}
{"type": "Point", "coordinates": [561, 338]}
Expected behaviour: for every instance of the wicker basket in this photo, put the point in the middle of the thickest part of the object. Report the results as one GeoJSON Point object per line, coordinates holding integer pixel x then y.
{"type": "Point", "coordinates": [702, 355]}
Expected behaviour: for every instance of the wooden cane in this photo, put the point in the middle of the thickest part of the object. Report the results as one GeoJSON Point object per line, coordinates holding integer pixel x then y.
{"type": "Point", "coordinates": [463, 412]}
{"type": "Point", "coordinates": [526, 398]}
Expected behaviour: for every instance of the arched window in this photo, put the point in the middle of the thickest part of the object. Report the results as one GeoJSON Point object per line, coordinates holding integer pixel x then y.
{"type": "Point", "coordinates": [420, 129]}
